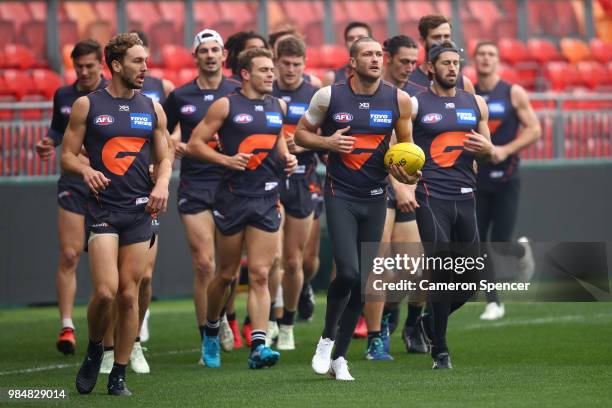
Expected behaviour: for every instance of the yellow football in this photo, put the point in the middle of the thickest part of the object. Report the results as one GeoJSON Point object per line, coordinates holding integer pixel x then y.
{"type": "Point", "coordinates": [410, 156]}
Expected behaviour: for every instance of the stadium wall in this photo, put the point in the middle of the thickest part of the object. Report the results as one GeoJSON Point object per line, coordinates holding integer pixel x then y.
{"type": "Point", "coordinates": [559, 202]}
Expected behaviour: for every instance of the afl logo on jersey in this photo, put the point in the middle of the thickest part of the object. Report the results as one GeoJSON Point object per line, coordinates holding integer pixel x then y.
{"type": "Point", "coordinates": [343, 117]}
{"type": "Point", "coordinates": [188, 109]}
{"type": "Point", "coordinates": [432, 118]}
{"type": "Point", "coordinates": [104, 120]}
{"type": "Point", "coordinates": [66, 110]}
{"type": "Point", "coordinates": [243, 118]}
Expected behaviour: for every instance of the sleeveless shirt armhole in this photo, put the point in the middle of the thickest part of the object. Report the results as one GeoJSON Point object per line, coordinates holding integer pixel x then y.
{"type": "Point", "coordinates": [415, 105]}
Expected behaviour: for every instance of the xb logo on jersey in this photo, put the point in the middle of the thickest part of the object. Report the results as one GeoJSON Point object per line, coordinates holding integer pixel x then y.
{"type": "Point", "coordinates": [260, 146]}
{"type": "Point", "coordinates": [119, 153]}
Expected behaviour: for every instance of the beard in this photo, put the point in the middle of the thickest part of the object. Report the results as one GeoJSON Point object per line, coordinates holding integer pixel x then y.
{"type": "Point", "coordinates": [129, 84]}
{"type": "Point", "coordinates": [367, 77]}
{"type": "Point", "coordinates": [444, 83]}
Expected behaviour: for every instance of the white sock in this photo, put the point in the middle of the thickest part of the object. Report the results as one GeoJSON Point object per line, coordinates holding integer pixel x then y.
{"type": "Point", "coordinates": [67, 323]}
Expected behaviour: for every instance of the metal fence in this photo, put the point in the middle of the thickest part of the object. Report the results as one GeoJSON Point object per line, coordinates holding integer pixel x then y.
{"type": "Point", "coordinates": [573, 127]}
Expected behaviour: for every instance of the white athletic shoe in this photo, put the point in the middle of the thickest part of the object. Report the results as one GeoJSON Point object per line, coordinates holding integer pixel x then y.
{"type": "Point", "coordinates": [321, 361]}
{"type": "Point", "coordinates": [138, 363]}
{"type": "Point", "coordinates": [271, 333]}
{"type": "Point", "coordinates": [226, 335]}
{"type": "Point", "coordinates": [108, 358]}
{"type": "Point", "coordinates": [526, 264]}
{"type": "Point", "coordinates": [144, 330]}
{"type": "Point", "coordinates": [285, 338]}
{"type": "Point", "coordinates": [493, 311]}
{"type": "Point", "coordinates": [339, 370]}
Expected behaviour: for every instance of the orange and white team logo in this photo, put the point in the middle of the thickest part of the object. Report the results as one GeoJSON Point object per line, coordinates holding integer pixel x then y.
{"type": "Point", "coordinates": [363, 149]}
{"type": "Point", "coordinates": [446, 148]}
{"type": "Point", "coordinates": [260, 145]}
{"type": "Point", "coordinates": [119, 153]}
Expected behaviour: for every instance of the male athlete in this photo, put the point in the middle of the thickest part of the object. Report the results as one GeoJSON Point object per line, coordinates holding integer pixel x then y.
{"type": "Point", "coordinates": [357, 118]}
{"type": "Point", "coordinates": [498, 181]}
{"type": "Point", "coordinates": [71, 191]}
{"type": "Point", "coordinates": [433, 29]}
{"type": "Point", "coordinates": [155, 88]}
{"type": "Point", "coordinates": [353, 31]}
{"type": "Point", "coordinates": [401, 53]}
{"type": "Point", "coordinates": [120, 129]}
{"type": "Point", "coordinates": [450, 125]}
{"type": "Point", "coordinates": [295, 193]}
{"type": "Point", "coordinates": [245, 209]}
{"type": "Point", "coordinates": [187, 106]}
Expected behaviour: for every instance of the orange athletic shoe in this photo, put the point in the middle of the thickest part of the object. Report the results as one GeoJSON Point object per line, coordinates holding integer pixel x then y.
{"type": "Point", "coordinates": [361, 330]}
{"type": "Point", "coordinates": [66, 342]}
{"type": "Point", "coordinates": [233, 324]}
{"type": "Point", "coordinates": [246, 332]}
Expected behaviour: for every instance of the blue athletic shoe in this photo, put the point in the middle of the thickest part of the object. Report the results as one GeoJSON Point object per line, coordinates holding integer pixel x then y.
{"type": "Point", "coordinates": [385, 334]}
{"type": "Point", "coordinates": [263, 356]}
{"type": "Point", "coordinates": [211, 351]}
{"type": "Point", "coordinates": [376, 351]}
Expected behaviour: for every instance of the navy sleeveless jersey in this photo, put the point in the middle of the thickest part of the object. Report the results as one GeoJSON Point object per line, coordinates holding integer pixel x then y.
{"type": "Point", "coordinates": [118, 142]}
{"type": "Point", "coordinates": [420, 78]}
{"type": "Point", "coordinates": [342, 73]}
{"type": "Point", "coordinates": [187, 106]}
{"type": "Point", "coordinates": [154, 88]}
{"type": "Point", "coordinates": [253, 126]}
{"type": "Point", "coordinates": [297, 105]}
{"type": "Point", "coordinates": [439, 129]}
{"type": "Point", "coordinates": [361, 174]}
{"type": "Point", "coordinates": [503, 124]}
{"type": "Point", "coordinates": [413, 88]}
{"type": "Point", "coordinates": [62, 107]}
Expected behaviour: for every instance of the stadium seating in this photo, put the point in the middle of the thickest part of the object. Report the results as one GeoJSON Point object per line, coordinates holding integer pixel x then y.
{"type": "Point", "coordinates": [543, 51]}
{"type": "Point", "coordinates": [575, 50]}
{"type": "Point", "coordinates": [600, 50]}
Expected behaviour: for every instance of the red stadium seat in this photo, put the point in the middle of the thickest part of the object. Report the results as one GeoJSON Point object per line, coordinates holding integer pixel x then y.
{"type": "Point", "coordinates": [18, 56]}
{"type": "Point", "coordinates": [601, 50]}
{"type": "Point", "coordinates": [46, 82]}
{"type": "Point", "coordinates": [173, 10]}
{"type": "Point", "coordinates": [508, 74]}
{"type": "Point", "coordinates": [34, 34]}
{"type": "Point", "coordinates": [17, 83]}
{"type": "Point", "coordinates": [313, 57]}
{"type": "Point", "coordinates": [487, 15]}
{"type": "Point", "coordinates": [470, 72]}
{"type": "Point", "coordinates": [341, 19]}
{"type": "Point", "coordinates": [334, 56]}
{"type": "Point", "coordinates": [142, 14]}
{"type": "Point", "coordinates": [162, 33]}
{"type": "Point", "coordinates": [240, 13]}
{"type": "Point", "coordinates": [543, 51]}
{"type": "Point", "coordinates": [575, 50]}
{"type": "Point", "coordinates": [208, 15]}
{"type": "Point", "coordinates": [186, 75]}
{"type": "Point", "coordinates": [69, 76]}
{"type": "Point", "coordinates": [38, 10]}
{"type": "Point", "coordinates": [591, 73]}
{"type": "Point", "coordinates": [171, 75]}
{"type": "Point", "coordinates": [560, 75]}
{"type": "Point", "coordinates": [7, 114]}
{"type": "Point", "coordinates": [68, 32]}
{"type": "Point", "coordinates": [31, 114]}
{"type": "Point", "coordinates": [176, 57]}
{"type": "Point", "coordinates": [16, 12]}
{"type": "Point", "coordinates": [370, 12]}
{"type": "Point", "coordinates": [512, 51]}
{"type": "Point", "coordinates": [107, 11]}
{"type": "Point", "coordinates": [304, 15]}
{"type": "Point", "coordinates": [7, 32]}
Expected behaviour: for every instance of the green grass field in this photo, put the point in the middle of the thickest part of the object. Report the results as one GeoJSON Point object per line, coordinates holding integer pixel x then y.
{"type": "Point", "coordinates": [544, 355]}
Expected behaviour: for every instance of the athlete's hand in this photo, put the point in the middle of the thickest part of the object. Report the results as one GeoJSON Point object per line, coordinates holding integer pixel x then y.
{"type": "Point", "coordinates": [405, 198]}
{"type": "Point", "coordinates": [477, 144]}
{"type": "Point", "coordinates": [499, 154]}
{"type": "Point", "coordinates": [400, 175]}
{"type": "Point", "coordinates": [45, 148]}
{"type": "Point", "coordinates": [95, 180]}
{"type": "Point", "coordinates": [291, 163]}
{"type": "Point", "coordinates": [180, 150]}
{"type": "Point", "coordinates": [238, 161]}
{"type": "Point", "coordinates": [158, 200]}
{"type": "Point", "coordinates": [293, 148]}
{"type": "Point", "coordinates": [341, 143]}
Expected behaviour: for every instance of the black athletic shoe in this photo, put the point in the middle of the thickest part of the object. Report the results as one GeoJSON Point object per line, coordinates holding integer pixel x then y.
{"type": "Point", "coordinates": [306, 303]}
{"type": "Point", "coordinates": [116, 386]}
{"type": "Point", "coordinates": [442, 361]}
{"type": "Point", "coordinates": [414, 340]}
{"type": "Point", "coordinates": [88, 374]}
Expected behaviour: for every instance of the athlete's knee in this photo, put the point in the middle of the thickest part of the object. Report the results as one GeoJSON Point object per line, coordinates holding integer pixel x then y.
{"type": "Point", "coordinates": [127, 299]}
{"type": "Point", "coordinates": [292, 264]}
{"type": "Point", "coordinates": [204, 266]}
{"type": "Point", "coordinates": [311, 264]}
{"type": "Point", "coordinates": [258, 275]}
{"type": "Point", "coordinates": [105, 294]}
{"type": "Point", "coordinates": [69, 257]}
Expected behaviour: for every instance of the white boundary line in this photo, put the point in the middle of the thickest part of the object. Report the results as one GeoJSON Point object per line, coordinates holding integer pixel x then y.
{"type": "Point", "coordinates": [538, 321]}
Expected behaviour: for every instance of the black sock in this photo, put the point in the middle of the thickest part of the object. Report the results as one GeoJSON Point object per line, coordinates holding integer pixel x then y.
{"type": "Point", "coordinates": [348, 322]}
{"type": "Point", "coordinates": [258, 337]}
{"type": "Point", "coordinates": [441, 311]}
{"type": "Point", "coordinates": [118, 370]}
{"type": "Point", "coordinates": [272, 316]}
{"type": "Point", "coordinates": [247, 320]}
{"type": "Point", "coordinates": [413, 314]}
{"type": "Point", "coordinates": [109, 348]}
{"type": "Point", "coordinates": [95, 349]}
{"type": "Point", "coordinates": [138, 339]}
{"type": "Point", "coordinates": [212, 328]}
{"type": "Point", "coordinates": [372, 335]}
{"type": "Point", "coordinates": [231, 316]}
{"type": "Point", "coordinates": [288, 317]}
{"type": "Point", "coordinates": [492, 296]}
{"type": "Point", "coordinates": [201, 329]}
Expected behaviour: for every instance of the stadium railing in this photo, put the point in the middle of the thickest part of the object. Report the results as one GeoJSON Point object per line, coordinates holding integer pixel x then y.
{"type": "Point", "coordinates": [573, 127]}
